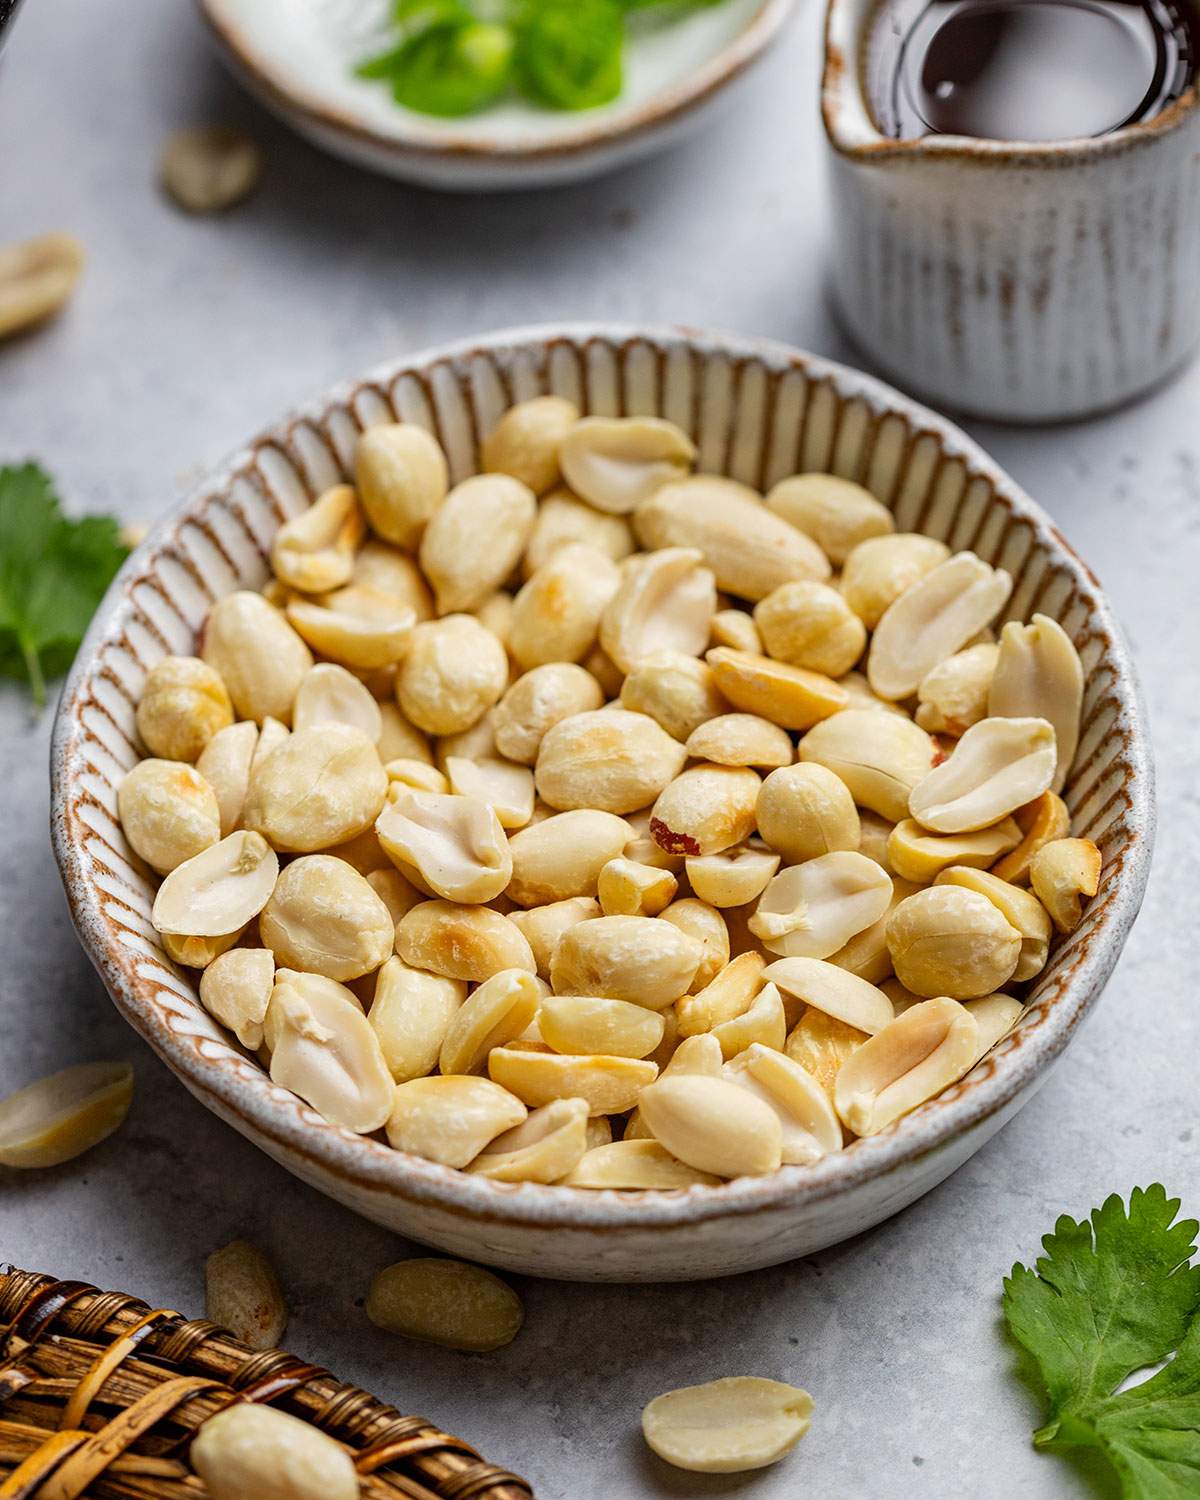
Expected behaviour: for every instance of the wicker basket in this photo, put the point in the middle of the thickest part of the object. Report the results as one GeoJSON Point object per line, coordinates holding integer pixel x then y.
{"type": "Point", "coordinates": [100, 1396]}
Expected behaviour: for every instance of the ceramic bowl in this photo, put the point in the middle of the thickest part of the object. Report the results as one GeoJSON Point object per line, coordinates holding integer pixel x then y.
{"type": "Point", "coordinates": [758, 411]}
{"type": "Point", "coordinates": [298, 56]}
{"type": "Point", "coordinates": [1017, 280]}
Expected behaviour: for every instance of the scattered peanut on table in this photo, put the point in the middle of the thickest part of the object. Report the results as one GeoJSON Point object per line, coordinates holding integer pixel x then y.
{"type": "Point", "coordinates": [556, 861]}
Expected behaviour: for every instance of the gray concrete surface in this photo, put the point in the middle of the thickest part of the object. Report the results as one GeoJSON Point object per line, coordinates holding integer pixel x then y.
{"type": "Point", "coordinates": [186, 336]}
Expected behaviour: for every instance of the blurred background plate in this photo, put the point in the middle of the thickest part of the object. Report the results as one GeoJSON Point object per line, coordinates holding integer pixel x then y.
{"type": "Point", "coordinates": [299, 56]}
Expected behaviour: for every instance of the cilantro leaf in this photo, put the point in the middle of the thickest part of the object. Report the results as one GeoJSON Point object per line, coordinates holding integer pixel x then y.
{"type": "Point", "coordinates": [1110, 1296]}
{"type": "Point", "coordinates": [53, 574]}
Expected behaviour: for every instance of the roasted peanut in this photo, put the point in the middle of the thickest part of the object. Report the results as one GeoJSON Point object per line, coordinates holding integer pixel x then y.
{"type": "Point", "coordinates": [790, 697]}
{"type": "Point", "coordinates": [562, 856]}
{"type": "Point", "coordinates": [168, 812]}
{"type": "Point", "coordinates": [218, 891]}
{"type": "Point", "coordinates": [183, 704]}
{"type": "Point", "coordinates": [648, 962]}
{"type": "Point", "coordinates": [314, 551]}
{"type": "Point", "coordinates": [526, 439]}
{"type": "Point", "coordinates": [356, 626]}
{"type": "Point", "coordinates": [1039, 675]}
{"type": "Point", "coordinates": [450, 1119]}
{"type": "Point", "coordinates": [1020, 909]}
{"type": "Point", "coordinates": [453, 672]}
{"type": "Point", "coordinates": [737, 630]}
{"type": "Point", "coordinates": [225, 765]}
{"type": "Point", "coordinates": [664, 601]}
{"type": "Point", "coordinates": [609, 1085]}
{"type": "Point", "coordinates": [536, 702]}
{"type": "Point", "coordinates": [445, 1302]}
{"type": "Point", "coordinates": [954, 695]}
{"type": "Point", "coordinates": [37, 278]}
{"type": "Point", "coordinates": [806, 810]}
{"type": "Point", "coordinates": [705, 810]}
{"type": "Point", "coordinates": [506, 788]}
{"type": "Point", "coordinates": [258, 656]}
{"type": "Point", "coordinates": [493, 1015]}
{"type": "Point", "coordinates": [741, 740]}
{"type": "Point", "coordinates": [454, 845]}
{"type": "Point", "coordinates": [545, 1147]}
{"type": "Point", "coordinates": [236, 989]}
{"type": "Point", "coordinates": [323, 1049]}
{"type": "Point", "coordinates": [751, 550]}
{"type": "Point", "coordinates": [384, 568]}
{"type": "Point", "coordinates": [932, 620]}
{"type": "Point", "coordinates": [921, 856]}
{"type": "Point", "coordinates": [609, 759]}
{"type": "Point", "coordinates": [1041, 821]}
{"type": "Point", "coordinates": [585, 1025]}
{"type": "Point", "coordinates": [209, 168]}
{"type": "Point", "coordinates": [713, 1125]}
{"type": "Point", "coordinates": [544, 925]}
{"type": "Point", "coordinates": [322, 786]}
{"type": "Point", "coordinates": [762, 1022]}
{"type": "Point", "coordinates": [733, 877]}
{"type": "Point", "coordinates": [617, 462]}
{"type": "Point", "coordinates": [812, 910]}
{"type": "Point", "coordinates": [324, 918]}
{"type": "Point", "coordinates": [557, 613]}
{"type": "Point", "coordinates": [880, 757]}
{"type": "Point", "coordinates": [563, 518]}
{"type": "Point", "coordinates": [260, 1451]}
{"type": "Point", "coordinates": [727, 1426]}
{"type": "Point", "coordinates": [242, 1293]}
{"type": "Point", "coordinates": [810, 625]}
{"type": "Point", "coordinates": [833, 990]}
{"type": "Point", "coordinates": [837, 513]}
{"type": "Point", "coordinates": [60, 1117]}
{"type": "Point", "coordinates": [729, 994]}
{"type": "Point", "coordinates": [821, 1045]}
{"type": "Point", "coordinates": [627, 889]}
{"type": "Point", "coordinates": [410, 1014]}
{"type": "Point", "coordinates": [995, 1016]}
{"type": "Point", "coordinates": [701, 921]}
{"type": "Point", "coordinates": [475, 538]}
{"type": "Point", "coordinates": [461, 942]}
{"type": "Point", "coordinates": [919, 1054]}
{"type": "Point", "coordinates": [1062, 873]}
{"type": "Point", "coordinates": [402, 479]}
{"type": "Point", "coordinates": [951, 941]}
{"type": "Point", "coordinates": [810, 1126]}
{"type": "Point", "coordinates": [997, 766]}
{"type": "Point", "coordinates": [328, 694]}
{"type": "Point", "coordinates": [880, 569]}
{"type": "Point", "coordinates": [634, 1165]}
{"type": "Point", "coordinates": [677, 691]}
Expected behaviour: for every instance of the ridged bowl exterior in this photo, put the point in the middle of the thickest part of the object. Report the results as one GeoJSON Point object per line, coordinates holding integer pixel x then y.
{"type": "Point", "coordinates": [758, 412]}
{"type": "Point", "coordinates": [1029, 283]}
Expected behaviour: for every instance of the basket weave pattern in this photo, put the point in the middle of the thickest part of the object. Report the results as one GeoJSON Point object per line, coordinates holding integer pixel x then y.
{"type": "Point", "coordinates": [100, 1396]}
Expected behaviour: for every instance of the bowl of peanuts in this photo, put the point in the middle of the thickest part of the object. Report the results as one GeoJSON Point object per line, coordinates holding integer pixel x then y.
{"type": "Point", "coordinates": [614, 804]}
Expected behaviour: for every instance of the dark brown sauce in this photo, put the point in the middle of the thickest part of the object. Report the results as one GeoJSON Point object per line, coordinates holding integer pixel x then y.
{"type": "Point", "coordinates": [1026, 70]}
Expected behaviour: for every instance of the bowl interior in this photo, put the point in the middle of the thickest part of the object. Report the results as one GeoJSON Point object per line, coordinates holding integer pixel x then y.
{"type": "Point", "coordinates": [304, 52]}
{"type": "Point", "coordinates": [757, 412]}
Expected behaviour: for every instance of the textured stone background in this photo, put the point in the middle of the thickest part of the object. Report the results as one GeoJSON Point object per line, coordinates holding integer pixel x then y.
{"type": "Point", "coordinates": [185, 337]}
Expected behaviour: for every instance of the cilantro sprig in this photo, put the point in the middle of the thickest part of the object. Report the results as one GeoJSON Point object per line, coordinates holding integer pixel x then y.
{"type": "Point", "coordinates": [1111, 1296]}
{"type": "Point", "coordinates": [455, 57]}
{"type": "Point", "coordinates": [53, 574]}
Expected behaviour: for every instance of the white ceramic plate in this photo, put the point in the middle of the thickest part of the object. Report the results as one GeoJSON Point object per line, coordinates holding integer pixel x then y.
{"type": "Point", "coordinates": [757, 411]}
{"type": "Point", "coordinates": [299, 57]}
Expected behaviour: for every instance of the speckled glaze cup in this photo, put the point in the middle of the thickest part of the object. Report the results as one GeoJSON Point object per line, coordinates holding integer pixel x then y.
{"type": "Point", "coordinates": [1025, 282]}
{"type": "Point", "coordinates": [758, 412]}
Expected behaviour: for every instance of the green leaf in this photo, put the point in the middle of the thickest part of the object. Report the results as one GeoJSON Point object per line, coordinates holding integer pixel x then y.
{"type": "Point", "coordinates": [1111, 1296]}
{"type": "Point", "coordinates": [455, 69]}
{"type": "Point", "coordinates": [569, 52]}
{"type": "Point", "coordinates": [53, 574]}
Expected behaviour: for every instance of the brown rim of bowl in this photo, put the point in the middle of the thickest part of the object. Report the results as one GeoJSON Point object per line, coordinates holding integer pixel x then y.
{"type": "Point", "coordinates": [655, 113]}
{"type": "Point", "coordinates": [841, 79]}
{"type": "Point", "coordinates": [237, 1089]}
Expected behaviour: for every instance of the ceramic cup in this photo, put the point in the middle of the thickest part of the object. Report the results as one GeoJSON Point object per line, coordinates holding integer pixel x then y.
{"type": "Point", "coordinates": [1022, 281]}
